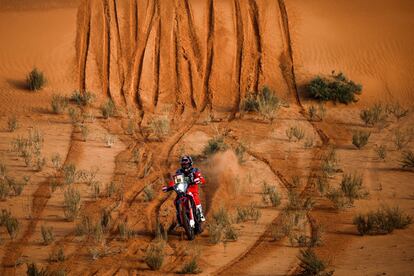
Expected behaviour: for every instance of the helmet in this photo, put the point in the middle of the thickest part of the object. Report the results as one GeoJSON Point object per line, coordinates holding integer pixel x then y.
{"type": "Point", "coordinates": [186, 163]}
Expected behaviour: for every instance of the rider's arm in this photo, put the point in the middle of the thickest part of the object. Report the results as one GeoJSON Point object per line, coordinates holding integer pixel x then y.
{"type": "Point", "coordinates": [198, 177]}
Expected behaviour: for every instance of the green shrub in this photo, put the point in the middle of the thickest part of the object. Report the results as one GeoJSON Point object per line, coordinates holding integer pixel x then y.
{"type": "Point", "coordinates": [335, 88]}
{"type": "Point", "coordinates": [215, 145]}
{"type": "Point", "coordinates": [360, 138]}
{"type": "Point", "coordinates": [12, 124]}
{"type": "Point", "coordinates": [407, 159]}
{"type": "Point", "coordinates": [82, 98]}
{"type": "Point", "coordinates": [310, 264]}
{"type": "Point", "coordinates": [108, 109]}
{"type": "Point", "coordinates": [59, 104]}
{"type": "Point", "coordinates": [191, 267]}
{"type": "Point", "coordinates": [154, 256]}
{"type": "Point", "coordinates": [382, 221]}
{"type": "Point", "coordinates": [47, 235]}
{"type": "Point", "coordinates": [71, 203]}
{"type": "Point", "coordinates": [35, 80]}
{"type": "Point", "coordinates": [160, 126]}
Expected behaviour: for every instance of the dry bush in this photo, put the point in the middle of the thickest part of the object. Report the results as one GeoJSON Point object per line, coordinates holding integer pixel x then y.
{"type": "Point", "coordinates": [329, 162]}
{"type": "Point", "coordinates": [322, 183]}
{"type": "Point", "coordinates": [108, 109]}
{"type": "Point", "coordinates": [69, 173]}
{"type": "Point", "coordinates": [215, 145]}
{"type": "Point", "coordinates": [220, 228]}
{"type": "Point", "coordinates": [191, 267]}
{"type": "Point", "coordinates": [75, 116]}
{"type": "Point", "coordinates": [97, 233]}
{"type": "Point", "coordinates": [381, 151]}
{"type": "Point", "coordinates": [248, 213]}
{"type": "Point", "coordinates": [109, 140]}
{"type": "Point", "coordinates": [148, 193]}
{"type": "Point", "coordinates": [310, 264]}
{"type": "Point", "coordinates": [30, 149]}
{"type": "Point", "coordinates": [230, 233]}
{"type": "Point", "coordinates": [407, 160]}
{"type": "Point", "coordinates": [382, 221]}
{"type": "Point", "coordinates": [402, 137]}
{"type": "Point", "coordinates": [12, 124]}
{"type": "Point", "coordinates": [308, 142]}
{"type": "Point", "coordinates": [82, 98]}
{"type": "Point", "coordinates": [4, 189]}
{"type": "Point", "coordinates": [56, 161]}
{"type": "Point", "coordinates": [47, 235]}
{"type": "Point", "coordinates": [10, 222]}
{"type": "Point", "coordinates": [96, 189]}
{"type": "Point", "coordinates": [71, 203]}
{"type": "Point", "coordinates": [295, 132]}
{"type": "Point", "coordinates": [374, 115]}
{"type": "Point", "coordinates": [35, 80]}
{"type": "Point", "coordinates": [270, 195]}
{"type": "Point", "coordinates": [336, 196]}
{"type": "Point", "coordinates": [105, 219]}
{"type": "Point", "coordinates": [32, 270]}
{"type": "Point", "coordinates": [240, 150]}
{"type": "Point", "coordinates": [317, 113]}
{"type": "Point", "coordinates": [351, 186]}
{"type": "Point", "coordinates": [396, 110]}
{"type": "Point", "coordinates": [59, 104]}
{"type": "Point", "coordinates": [84, 131]}
{"type": "Point", "coordinates": [57, 255]}
{"type": "Point", "coordinates": [85, 227]}
{"type": "Point", "coordinates": [111, 189]}
{"type": "Point", "coordinates": [159, 126]}
{"type": "Point", "coordinates": [360, 138]}
{"type": "Point", "coordinates": [154, 256]}
{"type": "Point", "coordinates": [124, 231]}
{"type": "Point", "coordinates": [264, 101]}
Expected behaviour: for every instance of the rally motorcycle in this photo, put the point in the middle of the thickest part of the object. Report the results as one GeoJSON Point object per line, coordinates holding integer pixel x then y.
{"type": "Point", "coordinates": [188, 215]}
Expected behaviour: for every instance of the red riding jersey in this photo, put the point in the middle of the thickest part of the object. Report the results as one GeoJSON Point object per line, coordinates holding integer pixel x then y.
{"type": "Point", "coordinates": [195, 179]}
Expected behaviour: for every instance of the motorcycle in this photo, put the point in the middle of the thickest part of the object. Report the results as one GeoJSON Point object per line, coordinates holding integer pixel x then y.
{"type": "Point", "coordinates": [188, 214]}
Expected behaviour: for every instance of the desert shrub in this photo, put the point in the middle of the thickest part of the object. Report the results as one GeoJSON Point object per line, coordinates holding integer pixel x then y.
{"type": "Point", "coordinates": [85, 227]}
{"type": "Point", "coordinates": [335, 88]}
{"type": "Point", "coordinates": [265, 102]}
{"type": "Point", "coordinates": [11, 223]}
{"type": "Point", "coordinates": [111, 189]}
{"type": "Point", "coordinates": [3, 171]}
{"type": "Point", "coordinates": [222, 217]}
{"type": "Point", "coordinates": [69, 173]}
{"type": "Point", "coordinates": [124, 232]}
{"type": "Point", "coordinates": [402, 137]}
{"type": "Point", "coordinates": [317, 113]}
{"type": "Point", "coordinates": [351, 187]}
{"type": "Point", "coordinates": [56, 161]}
{"type": "Point", "coordinates": [308, 142]}
{"type": "Point", "coordinates": [329, 162]}
{"type": "Point", "coordinates": [84, 131]}
{"type": "Point", "coordinates": [109, 140]}
{"type": "Point", "coordinates": [108, 109]}
{"type": "Point", "coordinates": [12, 124]}
{"type": "Point", "coordinates": [57, 255]}
{"type": "Point", "coordinates": [17, 186]}
{"type": "Point", "coordinates": [148, 193]}
{"type": "Point", "coordinates": [59, 104]}
{"type": "Point", "coordinates": [317, 233]}
{"type": "Point", "coordinates": [240, 151]}
{"type": "Point", "coordinates": [407, 160]}
{"type": "Point", "coordinates": [71, 203]}
{"type": "Point", "coordinates": [247, 213]}
{"type": "Point", "coordinates": [105, 218]}
{"type": "Point", "coordinates": [374, 115]}
{"type": "Point", "coordinates": [4, 189]}
{"type": "Point", "coordinates": [382, 221]}
{"type": "Point", "coordinates": [296, 132]}
{"type": "Point", "coordinates": [214, 232]}
{"type": "Point", "coordinates": [47, 235]}
{"type": "Point", "coordinates": [82, 98]}
{"type": "Point", "coordinates": [336, 196]}
{"type": "Point", "coordinates": [321, 183]}
{"type": "Point", "coordinates": [360, 138]}
{"type": "Point", "coordinates": [191, 267]}
{"type": "Point", "coordinates": [96, 189]}
{"type": "Point", "coordinates": [381, 151]}
{"type": "Point", "coordinates": [230, 233]}
{"type": "Point", "coordinates": [97, 233]}
{"type": "Point", "coordinates": [310, 264]}
{"type": "Point", "coordinates": [396, 110]}
{"type": "Point", "coordinates": [159, 126]}
{"type": "Point", "coordinates": [75, 116]}
{"type": "Point", "coordinates": [270, 195]}
{"type": "Point", "coordinates": [215, 145]}
{"type": "Point", "coordinates": [35, 80]}
{"type": "Point", "coordinates": [39, 163]}
{"type": "Point", "coordinates": [220, 228]}
{"type": "Point", "coordinates": [154, 256]}
{"type": "Point", "coordinates": [32, 270]}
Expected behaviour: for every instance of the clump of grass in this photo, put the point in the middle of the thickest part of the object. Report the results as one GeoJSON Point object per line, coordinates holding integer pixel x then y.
{"type": "Point", "coordinates": [124, 231]}
{"type": "Point", "coordinates": [240, 151]}
{"type": "Point", "coordinates": [35, 80]}
{"type": "Point", "coordinates": [96, 189]}
{"type": "Point", "coordinates": [17, 186]}
{"type": "Point", "coordinates": [69, 173]}
{"type": "Point", "coordinates": [59, 104]}
{"type": "Point", "coordinates": [336, 196]}
{"type": "Point", "coordinates": [382, 221]}
{"type": "Point", "coordinates": [4, 189]}
{"type": "Point", "coordinates": [111, 189]}
{"type": "Point", "coordinates": [84, 131]}
{"type": "Point", "coordinates": [30, 149]}
{"type": "Point", "coordinates": [311, 264]}
{"type": "Point", "coordinates": [402, 137]}
{"type": "Point", "coordinates": [82, 98]}
{"type": "Point", "coordinates": [109, 140]}
{"type": "Point", "coordinates": [57, 255]}
{"type": "Point", "coordinates": [360, 138]}
{"type": "Point", "coordinates": [329, 162]}
{"type": "Point", "coordinates": [154, 256]}
{"type": "Point", "coordinates": [75, 116]}
{"type": "Point", "coordinates": [215, 145]}
{"type": "Point", "coordinates": [265, 102]}
{"type": "Point", "coordinates": [270, 195]}
{"type": "Point", "coordinates": [97, 233]}
{"type": "Point", "coordinates": [10, 222]}
{"type": "Point", "coordinates": [407, 160]}
{"type": "Point", "coordinates": [374, 115]}
{"type": "Point", "coordinates": [220, 228]}
{"type": "Point", "coordinates": [317, 113]}
{"type": "Point", "coordinates": [351, 187]}
{"type": "Point", "coordinates": [308, 143]}
{"type": "Point", "coordinates": [191, 267]}
{"type": "Point", "coordinates": [12, 124]}
{"type": "Point", "coordinates": [248, 213]}
{"type": "Point", "coordinates": [148, 193]}
{"type": "Point", "coordinates": [295, 132]}
{"type": "Point", "coordinates": [85, 227]}
{"type": "Point", "coordinates": [56, 161]}
{"type": "Point", "coordinates": [71, 203]}
{"type": "Point", "coordinates": [159, 126]}
{"type": "Point", "coordinates": [381, 151]}
{"type": "Point", "coordinates": [108, 109]}
{"type": "Point", "coordinates": [321, 183]}
{"type": "Point", "coordinates": [230, 233]}
{"type": "Point", "coordinates": [396, 110]}
{"type": "Point", "coordinates": [32, 270]}
{"type": "Point", "coordinates": [47, 235]}
{"type": "Point", "coordinates": [336, 88]}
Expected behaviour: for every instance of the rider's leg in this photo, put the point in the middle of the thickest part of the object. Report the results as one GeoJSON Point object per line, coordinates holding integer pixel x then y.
{"type": "Point", "coordinates": [198, 204]}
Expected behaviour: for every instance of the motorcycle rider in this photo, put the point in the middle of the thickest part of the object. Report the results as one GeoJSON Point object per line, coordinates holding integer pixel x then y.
{"type": "Point", "coordinates": [195, 179]}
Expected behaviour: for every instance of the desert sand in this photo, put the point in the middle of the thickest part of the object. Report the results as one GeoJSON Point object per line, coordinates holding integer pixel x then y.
{"type": "Point", "coordinates": [193, 62]}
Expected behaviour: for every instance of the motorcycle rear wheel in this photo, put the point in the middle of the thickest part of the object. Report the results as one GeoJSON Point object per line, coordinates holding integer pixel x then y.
{"type": "Point", "coordinates": [189, 231]}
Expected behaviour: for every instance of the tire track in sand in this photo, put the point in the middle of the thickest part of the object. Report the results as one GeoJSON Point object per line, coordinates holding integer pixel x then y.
{"type": "Point", "coordinates": [83, 41]}
{"type": "Point", "coordinates": [258, 67]}
{"type": "Point", "coordinates": [239, 57]}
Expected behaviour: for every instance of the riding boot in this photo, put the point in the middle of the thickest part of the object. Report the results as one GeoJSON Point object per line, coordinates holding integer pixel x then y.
{"type": "Point", "coordinates": [200, 210]}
